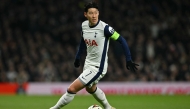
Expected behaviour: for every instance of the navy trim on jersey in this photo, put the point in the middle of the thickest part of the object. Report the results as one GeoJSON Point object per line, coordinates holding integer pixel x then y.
{"type": "Point", "coordinates": [107, 33]}
{"type": "Point", "coordinates": [101, 63]}
{"type": "Point", "coordinates": [95, 25]}
{"type": "Point", "coordinates": [81, 48]}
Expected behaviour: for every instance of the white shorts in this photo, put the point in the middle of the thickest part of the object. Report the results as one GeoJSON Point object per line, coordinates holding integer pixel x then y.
{"type": "Point", "coordinates": [91, 75]}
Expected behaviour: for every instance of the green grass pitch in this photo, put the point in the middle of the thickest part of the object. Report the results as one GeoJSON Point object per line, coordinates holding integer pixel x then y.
{"type": "Point", "coordinates": [84, 101]}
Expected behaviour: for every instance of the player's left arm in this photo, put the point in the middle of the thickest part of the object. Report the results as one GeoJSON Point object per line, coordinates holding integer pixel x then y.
{"type": "Point", "coordinates": [110, 32]}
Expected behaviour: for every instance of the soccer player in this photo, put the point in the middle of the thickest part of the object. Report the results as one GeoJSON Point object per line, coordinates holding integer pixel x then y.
{"type": "Point", "coordinates": [96, 35]}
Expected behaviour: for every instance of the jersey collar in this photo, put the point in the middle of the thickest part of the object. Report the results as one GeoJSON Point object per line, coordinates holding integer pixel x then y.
{"type": "Point", "coordinates": [95, 25]}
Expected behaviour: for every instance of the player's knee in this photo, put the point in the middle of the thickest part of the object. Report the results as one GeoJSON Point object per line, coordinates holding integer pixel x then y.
{"type": "Point", "coordinates": [91, 90]}
{"type": "Point", "coordinates": [71, 90]}
{"type": "Point", "coordinates": [88, 90]}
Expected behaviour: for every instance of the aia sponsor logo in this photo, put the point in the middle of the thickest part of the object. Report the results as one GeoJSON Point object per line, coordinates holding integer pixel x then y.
{"type": "Point", "coordinates": [91, 42]}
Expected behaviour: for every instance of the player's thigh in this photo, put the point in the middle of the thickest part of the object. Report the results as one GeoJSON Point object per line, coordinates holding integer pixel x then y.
{"type": "Point", "coordinates": [75, 86]}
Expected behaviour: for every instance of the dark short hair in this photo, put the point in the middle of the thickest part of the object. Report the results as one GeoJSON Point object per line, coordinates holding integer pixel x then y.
{"type": "Point", "coordinates": [91, 4]}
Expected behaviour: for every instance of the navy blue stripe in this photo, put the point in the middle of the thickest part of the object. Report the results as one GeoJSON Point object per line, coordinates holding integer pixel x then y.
{"type": "Point", "coordinates": [107, 32]}
{"type": "Point", "coordinates": [81, 48]}
{"type": "Point", "coordinates": [101, 63]}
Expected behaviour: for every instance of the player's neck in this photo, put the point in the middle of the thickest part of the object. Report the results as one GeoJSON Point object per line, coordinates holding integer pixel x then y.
{"type": "Point", "coordinates": [93, 24]}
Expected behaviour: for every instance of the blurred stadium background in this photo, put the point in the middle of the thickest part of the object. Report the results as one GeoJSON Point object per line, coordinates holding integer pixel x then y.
{"type": "Point", "coordinates": [39, 38]}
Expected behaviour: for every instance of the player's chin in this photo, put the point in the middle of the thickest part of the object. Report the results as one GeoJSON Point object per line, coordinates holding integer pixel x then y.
{"type": "Point", "coordinates": [94, 21]}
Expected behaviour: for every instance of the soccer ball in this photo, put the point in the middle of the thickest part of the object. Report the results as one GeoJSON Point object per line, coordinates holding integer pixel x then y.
{"type": "Point", "coordinates": [95, 107]}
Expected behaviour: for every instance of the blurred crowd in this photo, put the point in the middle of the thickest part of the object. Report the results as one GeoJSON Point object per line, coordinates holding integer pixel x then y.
{"type": "Point", "coordinates": [39, 39]}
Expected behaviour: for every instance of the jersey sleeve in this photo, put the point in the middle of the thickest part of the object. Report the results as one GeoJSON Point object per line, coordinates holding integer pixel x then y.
{"type": "Point", "coordinates": [111, 33]}
{"type": "Point", "coordinates": [82, 46]}
{"type": "Point", "coordinates": [125, 47]}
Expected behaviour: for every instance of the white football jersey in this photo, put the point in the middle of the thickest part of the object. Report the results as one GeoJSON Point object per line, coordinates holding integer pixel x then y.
{"type": "Point", "coordinates": [97, 43]}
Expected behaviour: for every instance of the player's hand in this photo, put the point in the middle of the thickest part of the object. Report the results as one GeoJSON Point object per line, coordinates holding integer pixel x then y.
{"type": "Point", "coordinates": [131, 66]}
{"type": "Point", "coordinates": [77, 63]}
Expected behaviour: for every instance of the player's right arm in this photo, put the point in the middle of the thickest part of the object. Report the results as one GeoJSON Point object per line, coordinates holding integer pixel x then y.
{"type": "Point", "coordinates": [81, 48]}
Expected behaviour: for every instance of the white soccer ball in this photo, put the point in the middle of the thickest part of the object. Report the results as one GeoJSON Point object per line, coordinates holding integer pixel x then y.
{"type": "Point", "coordinates": [95, 107]}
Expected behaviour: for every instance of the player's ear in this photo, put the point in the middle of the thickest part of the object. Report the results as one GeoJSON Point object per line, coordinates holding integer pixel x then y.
{"type": "Point", "coordinates": [85, 14]}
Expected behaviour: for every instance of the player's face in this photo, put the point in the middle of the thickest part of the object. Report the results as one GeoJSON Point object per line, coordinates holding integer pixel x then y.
{"type": "Point", "coordinates": [92, 16]}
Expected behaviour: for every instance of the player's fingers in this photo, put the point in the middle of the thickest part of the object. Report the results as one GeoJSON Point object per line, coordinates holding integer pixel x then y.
{"type": "Point", "coordinates": [133, 69]}
{"type": "Point", "coordinates": [128, 67]}
{"type": "Point", "coordinates": [136, 68]}
{"type": "Point", "coordinates": [136, 64]}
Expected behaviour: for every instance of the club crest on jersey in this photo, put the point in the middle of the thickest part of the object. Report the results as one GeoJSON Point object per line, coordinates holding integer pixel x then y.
{"type": "Point", "coordinates": [95, 34]}
{"type": "Point", "coordinates": [111, 30]}
{"type": "Point", "coordinates": [90, 42]}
